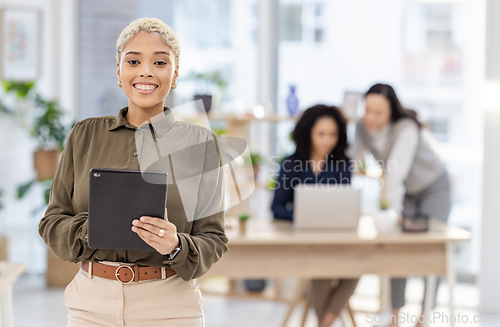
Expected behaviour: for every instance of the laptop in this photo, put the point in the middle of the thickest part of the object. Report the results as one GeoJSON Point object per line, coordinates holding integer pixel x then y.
{"type": "Point", "coordinates": [116, 197]}
{"type": "Point", "coordinates": [323, 206]}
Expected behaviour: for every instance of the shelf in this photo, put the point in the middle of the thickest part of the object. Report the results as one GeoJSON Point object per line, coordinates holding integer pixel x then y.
{"type": "Point", "coordinates": [241, 118]}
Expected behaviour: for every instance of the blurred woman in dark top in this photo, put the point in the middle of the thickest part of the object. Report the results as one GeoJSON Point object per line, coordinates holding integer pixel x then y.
{"type": "Point", "coordinates": [319, 158]}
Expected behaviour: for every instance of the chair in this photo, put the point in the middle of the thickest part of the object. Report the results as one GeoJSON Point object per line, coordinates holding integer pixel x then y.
{"type": "Point", "coordinates": [301, 297]}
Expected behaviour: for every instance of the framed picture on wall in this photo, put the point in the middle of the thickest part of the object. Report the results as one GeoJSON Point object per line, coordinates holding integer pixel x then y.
{"type": "Point", "coordinates": [20, 44]}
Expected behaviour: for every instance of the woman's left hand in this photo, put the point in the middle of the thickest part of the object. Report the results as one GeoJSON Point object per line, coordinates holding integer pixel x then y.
{"type": "Point", "coordinates": [150, 230]}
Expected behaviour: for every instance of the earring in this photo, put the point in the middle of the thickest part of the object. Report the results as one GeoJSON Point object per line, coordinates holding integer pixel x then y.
{"type": "Point", "coordinates": [119, 83]}
{"type": "Point", "coordinates": [174, 85]}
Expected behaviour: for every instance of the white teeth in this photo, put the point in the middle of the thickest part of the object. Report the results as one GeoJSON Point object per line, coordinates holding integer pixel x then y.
{"type": "Point", "coordinates": [145, 87]}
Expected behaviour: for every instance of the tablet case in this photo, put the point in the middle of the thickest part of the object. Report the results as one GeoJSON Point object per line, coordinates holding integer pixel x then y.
{"type": "Point", "coordinates": [116, 197]}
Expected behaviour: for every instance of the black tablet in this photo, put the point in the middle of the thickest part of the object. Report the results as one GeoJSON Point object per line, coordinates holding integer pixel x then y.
{"type": "Point", "coordinates": [116, 197]}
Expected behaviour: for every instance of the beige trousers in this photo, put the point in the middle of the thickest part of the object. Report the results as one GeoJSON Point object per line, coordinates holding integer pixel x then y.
{"type": "Point", "coordinates": [96, 302]}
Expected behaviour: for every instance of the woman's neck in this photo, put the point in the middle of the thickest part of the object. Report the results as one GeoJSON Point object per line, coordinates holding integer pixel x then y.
{"type": "Point", "coordinates": [317, 157]}
{"type": "Point", "coordinates": [317, 161]}
{"type": "Point", "coordinates": [137, 116]}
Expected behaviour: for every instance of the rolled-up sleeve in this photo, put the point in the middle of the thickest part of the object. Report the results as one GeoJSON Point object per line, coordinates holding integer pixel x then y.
{"type": "Point", "coordinates": [63, 230]}
{"type": "Point", "coordinates": [206, 243]}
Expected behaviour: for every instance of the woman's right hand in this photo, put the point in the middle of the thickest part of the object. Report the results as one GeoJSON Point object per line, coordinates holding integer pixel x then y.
{"type": "Point", "coordinates": [159, 233]}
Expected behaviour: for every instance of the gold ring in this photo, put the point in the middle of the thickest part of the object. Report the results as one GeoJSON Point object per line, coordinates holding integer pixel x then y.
{"type": "Point", "coordinates": [161, 233]}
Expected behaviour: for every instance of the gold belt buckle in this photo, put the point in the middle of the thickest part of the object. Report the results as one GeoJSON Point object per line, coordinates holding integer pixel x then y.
{"type": "Point", "coordinates": [117, 274]}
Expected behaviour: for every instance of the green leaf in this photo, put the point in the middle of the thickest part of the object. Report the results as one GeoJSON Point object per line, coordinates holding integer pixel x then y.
{"type": "Point", "coordinates": [256, 158]}
{"type": "Point", "coordinates": [24, 188]}
{"type": "Point", "coordinates": [48, 128]}
{"type": "Point", "coordinates": [244, 217]}
{"type": "Point", "coordinates": [20, 88]}
{"type": "Point", "coordinates": [214, 78]}
{"type": "Point", "coordinates": [47, 195]}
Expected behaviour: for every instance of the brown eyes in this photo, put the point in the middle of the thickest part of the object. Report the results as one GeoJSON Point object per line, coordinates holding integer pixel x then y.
{"type": "Point", "coordinates": [137, 62]}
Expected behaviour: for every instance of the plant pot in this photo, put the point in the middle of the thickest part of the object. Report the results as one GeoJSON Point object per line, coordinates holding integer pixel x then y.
{"type": "Point", "coordinates": [59, 272]}
{"type": "Point", "coordinates": [385, 221]}
{"type": "Point", "coordinates": [45, 162]}
{"type": "Point", "coordinates": [242, 225]}
{"type": "Point", "coordinates": [206, 100]}
{"type": "Point", "coordinates": [4, 248]}
{"type": "Point", "coordinates": [255, 172]}
{"type": "Point", "coordinates": [255, 285]}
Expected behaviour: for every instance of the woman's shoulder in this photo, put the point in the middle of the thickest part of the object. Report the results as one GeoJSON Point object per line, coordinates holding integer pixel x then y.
{"type": "Point", "coordinates": [405, 123]}
{"type": "Point", "coordinates": [205, 131]}
{"type": "Point", "coordinates": [103, 121]}
{"type": "Point", "coordinates": [96, 120]}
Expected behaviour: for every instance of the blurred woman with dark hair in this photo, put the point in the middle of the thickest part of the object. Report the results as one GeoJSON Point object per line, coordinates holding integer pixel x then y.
{"type": "Point", "coordinates": [320, 158]}
{"type": "Point", "coordinates": [416, 181]}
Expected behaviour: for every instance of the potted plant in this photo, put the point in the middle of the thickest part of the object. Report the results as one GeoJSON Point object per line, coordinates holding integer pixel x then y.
{"type": "Point", "coordinates": [272, 183]}
{"type": "Point", "coordinates": [47, 127]}
{"type": "Point", "coordinates": [256, 160]}
{"type": "Point", "coordinates": [242, 222]}
{"type": "Point", "coordinates": [49, 133]}
{"type": "Point", "coordinates": [362, 167]}
{"type": "Point", "coordinates": [208, 84]}
{"type": "Point", "coordinates": [21, 92]}
{"type": "Point", "coordinates": [385, 219]}
{"type": "Point", "coordinates": [219, 131]}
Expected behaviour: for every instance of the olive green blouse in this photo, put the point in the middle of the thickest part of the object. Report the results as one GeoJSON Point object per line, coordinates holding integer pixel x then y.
{"type": "Point", "coordinates": [110, 142]}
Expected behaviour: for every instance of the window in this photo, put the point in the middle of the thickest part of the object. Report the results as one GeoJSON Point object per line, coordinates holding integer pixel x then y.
{"type": "Point", "coordinates": [428, 51]}
{"type": "Point", "coordinates": [301, 22]}
{"type": "Point", "coordinates": [215, 36]}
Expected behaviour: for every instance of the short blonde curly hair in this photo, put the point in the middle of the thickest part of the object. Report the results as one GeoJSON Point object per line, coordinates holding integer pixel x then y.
{"type": "Point", "coordinates": [148, 25]}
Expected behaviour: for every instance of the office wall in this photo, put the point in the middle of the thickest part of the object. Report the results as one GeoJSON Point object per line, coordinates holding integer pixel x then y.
{"type": "Point", "coordinates": [490, 265]}
{"type": "Point", "coordinates": [100, 23]}
{"type": "Point", "coordinates": [56, 81]}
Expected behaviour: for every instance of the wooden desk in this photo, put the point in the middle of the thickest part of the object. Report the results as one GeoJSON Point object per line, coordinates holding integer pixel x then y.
{"type": "Point", "coordinates": [274, 250]}
{"type": "Point", "coordinates": [9, 273]}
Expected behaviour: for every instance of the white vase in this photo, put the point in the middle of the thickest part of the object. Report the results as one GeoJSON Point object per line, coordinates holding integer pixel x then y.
{"type": "Point", "coordinates": [385, 221]}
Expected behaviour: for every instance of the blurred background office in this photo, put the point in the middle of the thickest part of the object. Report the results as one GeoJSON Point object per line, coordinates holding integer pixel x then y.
{"type": "Point", "coordinates": [253, 55]}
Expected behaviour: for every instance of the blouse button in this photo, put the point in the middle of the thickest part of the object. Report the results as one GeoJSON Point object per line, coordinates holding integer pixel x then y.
{"type": "Point", "coordinates": [136, 154]}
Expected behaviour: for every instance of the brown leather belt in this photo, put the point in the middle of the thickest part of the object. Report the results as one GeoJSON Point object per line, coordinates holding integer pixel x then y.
{"type": "Point", "coordinates": [125, 273]}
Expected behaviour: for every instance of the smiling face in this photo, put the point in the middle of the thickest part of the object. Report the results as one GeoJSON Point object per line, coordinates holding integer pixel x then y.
{"type": "Point", "coordinates": [324, 136]}
{"type": "Point", "coordinates": [147, 70]}
{"type": "Point", "coordinates": [377, 112]}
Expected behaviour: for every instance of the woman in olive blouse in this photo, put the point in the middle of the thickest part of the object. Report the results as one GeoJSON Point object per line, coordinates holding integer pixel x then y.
{"type": "Point", "coordinates": [155, 288]}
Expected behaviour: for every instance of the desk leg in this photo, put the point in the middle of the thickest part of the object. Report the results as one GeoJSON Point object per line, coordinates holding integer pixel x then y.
{"type": "Point", "coordinates": [451, 277]}
{"type": "Point", "coordinates": [6, 309]}
{"type": "Point", "coordinates": [385, 294]}
{"type": "Point", "coordinates": [431, 281]}
{"type": "Point", "coordinates": [296, 299]}
{"type": "Point", "coordinates": [306, 310]}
